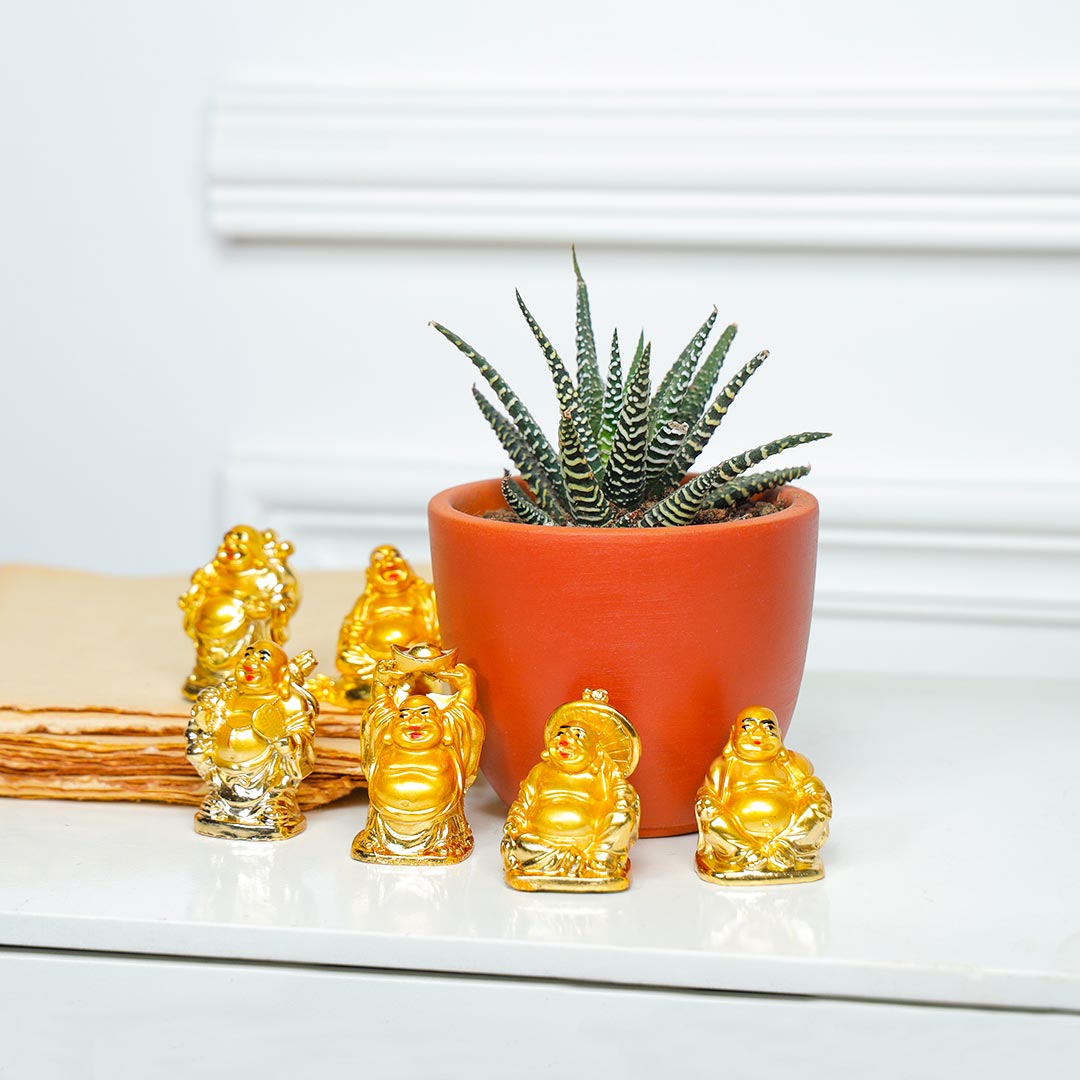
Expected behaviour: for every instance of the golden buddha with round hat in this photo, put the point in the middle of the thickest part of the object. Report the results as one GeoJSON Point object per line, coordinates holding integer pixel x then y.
{"type": "Point", "coordinates": [576, 815]}
{"type": "Point", "coordinates": [762, 814]}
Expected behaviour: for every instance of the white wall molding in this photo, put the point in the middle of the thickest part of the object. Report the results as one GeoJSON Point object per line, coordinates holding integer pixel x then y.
{"type": "Point", "coordinates": [971, 170]}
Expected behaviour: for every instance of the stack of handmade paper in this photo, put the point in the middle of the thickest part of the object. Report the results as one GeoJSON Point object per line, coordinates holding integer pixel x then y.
{"type": "Point", "coordinates": [90, 675]}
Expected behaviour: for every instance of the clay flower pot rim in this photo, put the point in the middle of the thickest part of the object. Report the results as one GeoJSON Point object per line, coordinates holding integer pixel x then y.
{"type": "Point", "coordinates": [444, 503]}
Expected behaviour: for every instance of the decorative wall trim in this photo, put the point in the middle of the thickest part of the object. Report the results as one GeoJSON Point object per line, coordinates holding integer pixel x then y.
{"type": "Point", "coordinates": [951, 170]}
{"type": "Point", "coordinates": [898, 550]}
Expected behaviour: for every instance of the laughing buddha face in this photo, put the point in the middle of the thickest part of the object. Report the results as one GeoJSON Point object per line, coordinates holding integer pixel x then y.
{"type": "Point", "coordinates": [388, 571]}
{"type": "Point", "coordinates": [241, 548]}
{"type": "Point", "coordinates": [572, 748]}
{"type": "Point", "coordinates": [261, 668]}
{"type": "Point", "coordinates": [756, 735]}
{"type": "Point", "coordinates": [419, 724]}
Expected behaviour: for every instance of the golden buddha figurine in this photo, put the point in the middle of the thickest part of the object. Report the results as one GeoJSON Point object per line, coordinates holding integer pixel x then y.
{"type": "Point", "coordinates": [420, 742]}
{"type": "Point", "coordinates": [575, 817]}
{"type": "Point", "coordinates": [396, 608]}
{"type": "Point", "coordinates": [246, 593]}
{"type": "Point", "coordinates": [252, 739]}
{"type": "Point", "coordinates": [762, 813]}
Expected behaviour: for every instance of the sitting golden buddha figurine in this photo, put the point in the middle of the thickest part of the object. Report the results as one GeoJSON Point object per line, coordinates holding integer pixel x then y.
{"type": "Point", "coordinates": [246, 593]}
{"type": "Point", "coordinates": [575, 817]}
{"type": "Point", "coordinates": [762, 813]}
{"type": "Point", "coordinates": [420, 742]}
{"type": "Point", "coordinates": [396, 608]}
{"type": "Point", "coordinates": [252, 739]}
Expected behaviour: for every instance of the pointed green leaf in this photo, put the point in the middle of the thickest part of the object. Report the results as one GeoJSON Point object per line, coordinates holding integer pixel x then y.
{"type": "Point", "coordinates": [701, 388]}
{"type": "Point", "coordinates": [631, 375]}
{"type": "Point", "coordinates": [590, 388]}
{"type": "Point", "coordinates": [548, 489]}
{"type": "Point", "coordinates": [569, 402]}
{"type": "Point", "coordinates": [669, 394]}
{"type": "Point", "coordinates": [588, 503]}
{"type": "Point", "coordinates": [522, 505]}
{"type": "Point", "coordinates": [680, 506]}
{"type": "Point", "coordinates": [747, 486]}
{"type": "Point", "coordinates": [624, 481]}
{"type": "Point", "coordinates": [535, 440]}
{"type": "Point", "coordinates": [613, 393]}
{"type": "Point", "coordinates": [703, 431]}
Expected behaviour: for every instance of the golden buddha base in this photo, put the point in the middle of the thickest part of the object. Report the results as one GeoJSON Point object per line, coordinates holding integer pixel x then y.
{"type": "Point", "coordinates": [286, 822]}
{"type": "Point", "coordinates": [814, 872]}
{"type": "Point", "coordinates": [553, 883]}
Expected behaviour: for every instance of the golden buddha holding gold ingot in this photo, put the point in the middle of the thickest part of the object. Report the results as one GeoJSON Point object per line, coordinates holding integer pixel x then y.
{"type": "Point", "coordinates": [575, 818]}
{"type": "Point", "coordinates": [246, 593]}
{"type": "Point", "coordinates": [252, 739]}
{"type": "Point", "coordinates": [420, 742]}
{"type": "Point", "coordinates": [762, 814]}
{"type": "Point", "coordinates": [396, 608]}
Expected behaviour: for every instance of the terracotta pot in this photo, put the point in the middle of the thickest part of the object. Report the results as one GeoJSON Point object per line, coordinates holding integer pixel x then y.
{"type": "Point", "coordinates": [684, 626]}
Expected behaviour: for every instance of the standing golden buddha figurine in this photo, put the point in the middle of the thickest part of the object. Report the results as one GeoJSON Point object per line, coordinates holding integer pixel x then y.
{"type": "Point", "coordinates": [762, 814]}
{"type": "Point", "coordinates": [420, 742]}
{"type": "Point", "coordinates": [575, 818]}
{"type": "Point", "coordinates": [252, 739]}
{"type": "Point", "coordinates": [397, 607]}
{"type": "Point", "coordinates": [246, 593]}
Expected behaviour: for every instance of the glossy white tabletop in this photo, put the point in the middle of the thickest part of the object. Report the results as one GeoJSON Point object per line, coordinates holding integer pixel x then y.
{"type": "Point", "coordinates": [952, 874]}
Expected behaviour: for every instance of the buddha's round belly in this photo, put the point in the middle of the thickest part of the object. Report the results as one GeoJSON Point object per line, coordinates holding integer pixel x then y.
{"type": "Point", "coordinates": [564, 817]}
{"type": "Point", "coordinates": [762, 813]}
{"type": "Point", "coordinates": [411, 791]}
{"type": "Point", "coordinates": [393, 628]}
{"type": "Point", "coordinates": [220, 613]}
{"type": "Point", "coordinates": [243, 746]}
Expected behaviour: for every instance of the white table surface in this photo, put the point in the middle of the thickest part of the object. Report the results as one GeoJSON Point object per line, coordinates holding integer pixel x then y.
{"type": "Point", "coordinates": [952, 875]}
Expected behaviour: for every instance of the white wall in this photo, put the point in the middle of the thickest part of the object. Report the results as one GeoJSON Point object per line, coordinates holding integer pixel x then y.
{"type": "Point", "coordinates": [165, 355]}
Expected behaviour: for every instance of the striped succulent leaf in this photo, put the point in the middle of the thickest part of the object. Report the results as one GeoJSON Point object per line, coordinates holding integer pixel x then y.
{"type": "Point", "coordinates": [669, 394]}
{"type": "Point", "coordinates": [746, 486]}
{"type": "Point", "coordinates": [624, 481]}
{"type": "Point", "coordinates": [522, 505]}
{"type": "Point", "coordinates": [613, 394]}
{"type": "Point", "coordinates": [588, 503]}
{"type": "Point", "coordinates": [549, 488]}
{"type": "Point", "coordinates": [695, 399]}
{"type": "Point", "coordinates": [528, 428]}
{"type": "Point", "coordinates": [569, 402]}
{"type": "Point", "coordinates": [639, 351]}
{"type": "Point", "coordinates": [703, 430]}
{"type": "Point", "coordinates": [680, 506]}
{"type": "Point", "coordinates": [590, 388]}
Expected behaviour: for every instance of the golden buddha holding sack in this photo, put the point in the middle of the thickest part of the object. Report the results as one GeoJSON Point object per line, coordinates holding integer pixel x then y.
{"type": "Point", "coordinates": [576, 816]}
{"type": "Point", "coordinates": [762, 814]}
{"type": "Point", "coordinates": [396, 608]}
{"type": "Point", "coordinates": [420, 743]}
{"type": "Point", "coordinates": [252, 739]}
{"type": "Point", "coordinates": [246, 593]}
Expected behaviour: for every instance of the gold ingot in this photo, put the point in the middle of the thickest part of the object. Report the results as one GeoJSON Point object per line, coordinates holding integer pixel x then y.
{"type": "Point", "coordinates": [396, 609]}
{"type": "Point", "coordinates": [252, 739]}
{"type": "Point", "coordinates": [246, 593]}
{"type": "Point", "coordinates": [420, 743]}
{"type": "Point", "coordinates": [576, 815]}
{"type": "Point", "coordinates": [762, 814]}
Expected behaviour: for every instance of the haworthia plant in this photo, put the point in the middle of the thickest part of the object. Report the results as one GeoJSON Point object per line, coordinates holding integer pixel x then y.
{"type": "Point", "coordinates": [624, 451]}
